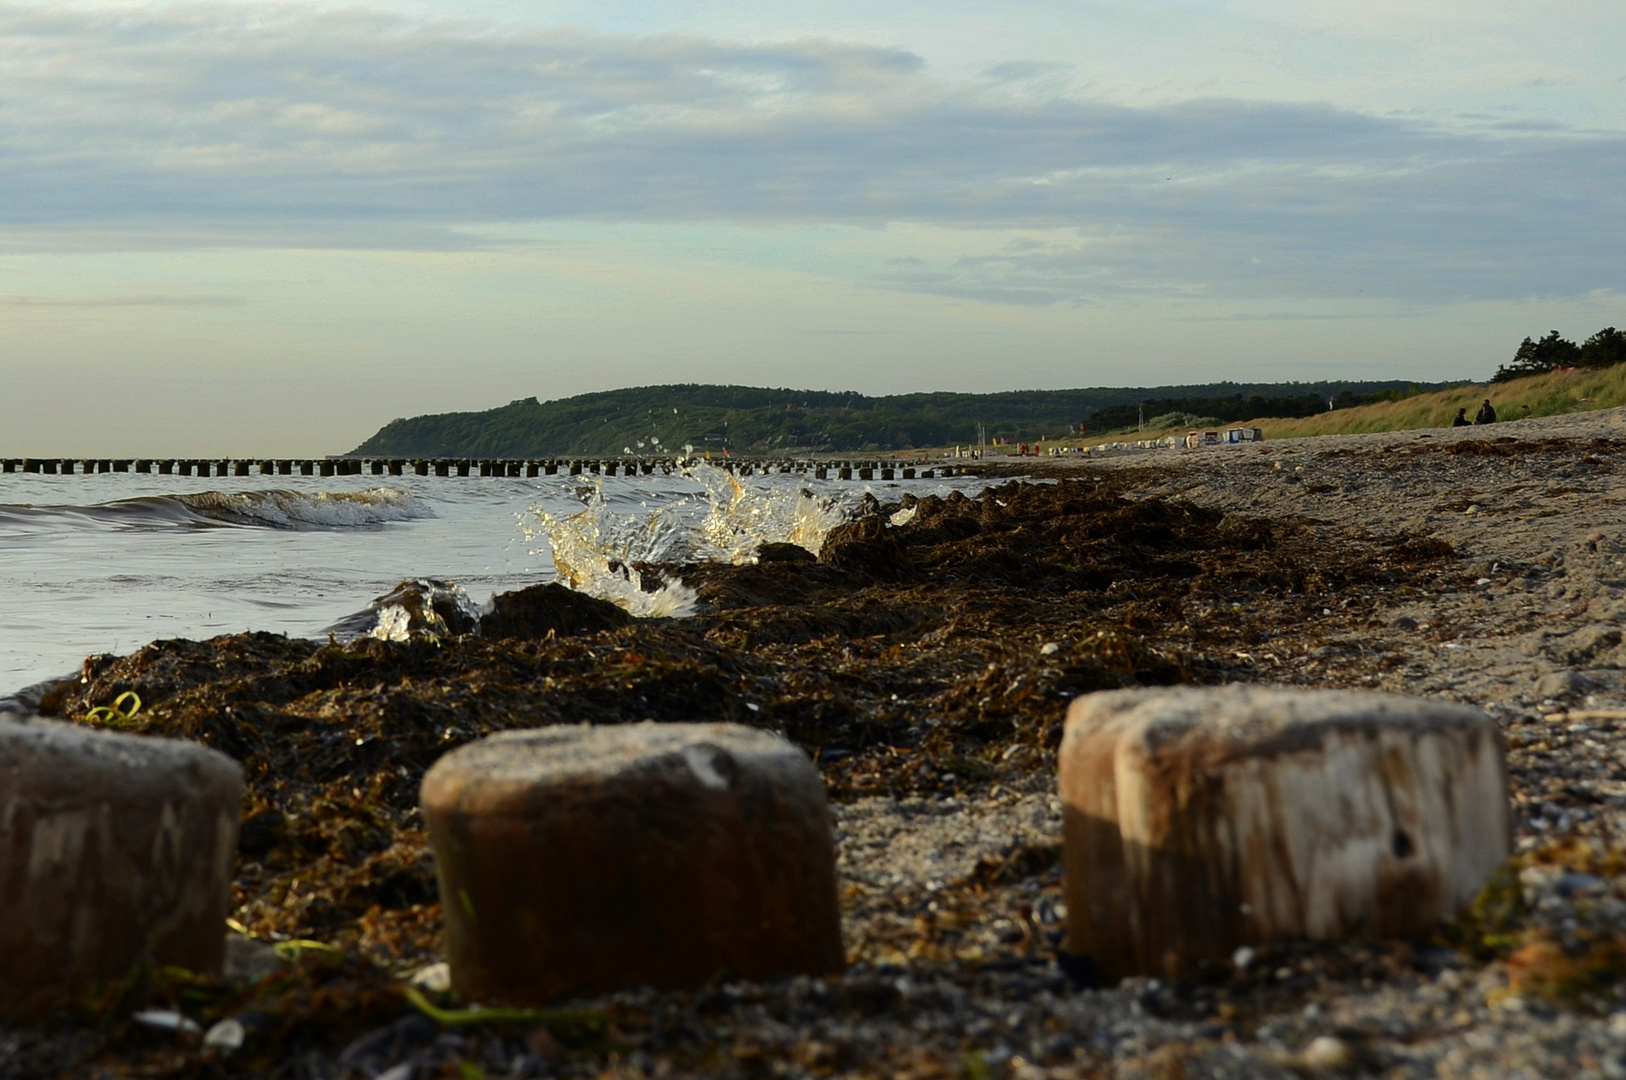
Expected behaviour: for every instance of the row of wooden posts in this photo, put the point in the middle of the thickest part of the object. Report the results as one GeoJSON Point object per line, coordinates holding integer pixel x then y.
{"type": "Point", "coordinates": [821, 470]}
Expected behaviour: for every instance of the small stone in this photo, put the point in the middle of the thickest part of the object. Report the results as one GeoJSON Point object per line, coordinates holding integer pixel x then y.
{"type": "Point", "coordinates": [435, 978]}
{"type": "Point", "coordinates": [579, 860]}
{"type": "Point", "coordinates": [1562, 684]}
{"type": "Point", "coordinates": [1327, 1052]}
{"type": "Point", "coordinates": [1200, 820]}
{"type": "Point", "coordinates": [227, 1035]}
{"type": "Point", "coordinates": [118, 849]}
{"type": "Point", "coordinates": [165, 1019]}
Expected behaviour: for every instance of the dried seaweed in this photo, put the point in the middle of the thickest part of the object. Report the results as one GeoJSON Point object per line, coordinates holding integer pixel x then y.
{"type": "Point", "coordinates": [929, 658]}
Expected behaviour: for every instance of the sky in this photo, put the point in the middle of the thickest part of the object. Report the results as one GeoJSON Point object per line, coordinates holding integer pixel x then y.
{"type": "Point", "coordinates": [251, 228]}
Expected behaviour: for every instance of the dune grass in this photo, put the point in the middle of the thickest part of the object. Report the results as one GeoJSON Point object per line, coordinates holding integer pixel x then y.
{"type": "Point", "coordinates": [1551, 394]}
{"type": "Point", "coordinates": [1538, 395]}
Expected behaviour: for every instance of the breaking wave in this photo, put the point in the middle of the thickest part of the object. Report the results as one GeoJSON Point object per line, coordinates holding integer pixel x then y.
{"type": "Point", "coordinates": [298, 510]}
{"type": "Point", "coordinates": [274, 509]}
{"type": "Point", "coordinates": [597, 550]}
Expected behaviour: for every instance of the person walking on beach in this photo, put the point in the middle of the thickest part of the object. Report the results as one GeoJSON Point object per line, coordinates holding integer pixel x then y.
{"type": "Point", "coordinates": [1487, 415]}
{"type": "Point", "coordinates": [1461, 419]}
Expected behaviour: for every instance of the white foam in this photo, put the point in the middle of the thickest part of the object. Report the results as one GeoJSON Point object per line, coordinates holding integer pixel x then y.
{"type": "Point", "coordinates": [307, 510]}
{"type": "Point", "coordinates": [595, 550]}
{"type": "Point", "coordinates": [743, 518]}
{"type": "Point", "coordinates": [394, 624]}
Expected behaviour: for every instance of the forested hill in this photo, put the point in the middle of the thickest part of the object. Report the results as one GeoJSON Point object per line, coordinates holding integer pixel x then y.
{"type": "Point", "coordinates": [748, 418]}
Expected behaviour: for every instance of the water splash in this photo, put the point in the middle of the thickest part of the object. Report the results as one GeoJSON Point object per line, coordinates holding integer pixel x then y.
{"type": "Point", "coordinates": [597, 550]}
{"type": "Point", "coordinates": [743, 518]}
{"type": "Point", "coordinates": [418, 608]}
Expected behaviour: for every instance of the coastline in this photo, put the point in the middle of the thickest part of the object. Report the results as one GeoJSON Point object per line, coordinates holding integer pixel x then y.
{"type": "Point", "coordinates": [1314, 561]}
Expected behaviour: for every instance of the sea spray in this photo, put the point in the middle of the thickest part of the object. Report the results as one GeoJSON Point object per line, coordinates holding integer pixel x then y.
{"type": "Point", "coordinates": [597, 550]}
{"type": "Point", "coordinates": [742, 518]}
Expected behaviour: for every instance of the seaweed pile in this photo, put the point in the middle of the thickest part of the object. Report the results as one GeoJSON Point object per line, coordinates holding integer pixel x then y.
{"type": "Point", "coordinates": [926, 653]}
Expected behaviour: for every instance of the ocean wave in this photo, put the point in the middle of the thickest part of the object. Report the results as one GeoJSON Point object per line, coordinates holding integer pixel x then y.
{"type": "Point", "coordinates": [273, 509]}
{"type": "Point", "coordinates": [283, 509]}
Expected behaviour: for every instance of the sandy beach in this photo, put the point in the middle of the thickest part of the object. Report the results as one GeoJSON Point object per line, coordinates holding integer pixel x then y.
{"type": "Point", "coordinates": [928, 670]}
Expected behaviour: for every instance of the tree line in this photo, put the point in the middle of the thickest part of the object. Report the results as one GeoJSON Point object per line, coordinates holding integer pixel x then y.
{"type": "Point", "coordinates": [1224, 409]}
{"type": "Point", "coordinates": [1536, 357]}
{"type": "Point", "coordinates": [664, 419]}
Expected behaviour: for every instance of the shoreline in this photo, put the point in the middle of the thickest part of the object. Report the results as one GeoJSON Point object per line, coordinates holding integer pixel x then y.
{"type": "Point", "coordinates": [919, 672]}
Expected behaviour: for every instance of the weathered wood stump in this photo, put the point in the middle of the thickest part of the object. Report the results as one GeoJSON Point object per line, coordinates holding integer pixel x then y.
{"type": "Point", "coordinates": [577, 860]}
{"type": "Point", "coordinates": [116, 849]}
{"type": "Point", "coordinates": [1200, 820]}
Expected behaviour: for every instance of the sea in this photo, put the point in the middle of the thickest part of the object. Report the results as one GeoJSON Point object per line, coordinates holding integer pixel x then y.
{"type": "Point", "coordinates": [107, 562]}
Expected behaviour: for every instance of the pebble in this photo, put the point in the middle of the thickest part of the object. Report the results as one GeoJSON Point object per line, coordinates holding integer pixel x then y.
{"type": "Point", "coordinates": [166, 1019]}
{"type": "Point", "coordinates": [228, 1035]}
{"type": "Point", "coordinates": [1327, 1052]}
{"type": "Point", "coordinates": [436, 978]}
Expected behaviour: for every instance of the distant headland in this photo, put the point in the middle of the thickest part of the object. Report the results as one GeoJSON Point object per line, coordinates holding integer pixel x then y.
{"type": "Point", "coordinates": [743, 419]}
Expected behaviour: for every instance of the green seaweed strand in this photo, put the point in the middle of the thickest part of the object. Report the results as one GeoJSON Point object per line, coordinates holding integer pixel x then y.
{"type": "Point", "coordinates": [297, 947]}
{"type": "Point", "coordinates": [455, 1017]}
{"type": "Point", "coordinates": [116, 715]}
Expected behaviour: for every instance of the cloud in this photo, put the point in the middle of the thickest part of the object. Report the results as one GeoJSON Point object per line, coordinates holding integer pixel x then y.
{"type": "Point", "coordinates": [285, 125]}
{"type": "Point", "coordinates": [1018, 71]}
{"type": "Point", "coordinates": [19, 300]}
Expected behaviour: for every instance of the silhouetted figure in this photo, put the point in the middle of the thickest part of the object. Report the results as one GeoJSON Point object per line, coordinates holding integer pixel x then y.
{"type": "Point", "coordinates": [1461, 419]}
{"type": "Point", "coordinates": [1487, 415]}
